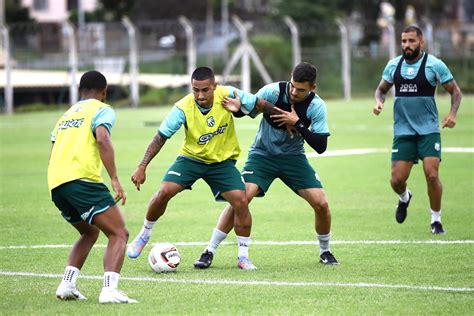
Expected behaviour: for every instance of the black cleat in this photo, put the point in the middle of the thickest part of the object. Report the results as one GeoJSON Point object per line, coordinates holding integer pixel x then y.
{"type": "Point", "coordinates": [437, 228]}
{"type": "Point", "coordinates": [401, 212]}
{"type": "Point", "coordinates": [205, 261]}
{"type": "Point", "coordinates": [328, 258]}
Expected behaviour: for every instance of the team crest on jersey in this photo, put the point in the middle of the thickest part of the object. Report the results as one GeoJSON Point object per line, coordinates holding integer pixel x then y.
{"type": "Point", "coordinates": [410, 71]}
{"type": "Point", "coordinates": [210, 121]}
{"type": "Point", "coordinates": [437, 146]}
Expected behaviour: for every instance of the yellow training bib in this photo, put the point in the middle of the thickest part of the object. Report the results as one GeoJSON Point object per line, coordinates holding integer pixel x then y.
{"type": "Point", "coordinates": [209, 137]}
{"type": "Point", "coordinates": [75, 154]}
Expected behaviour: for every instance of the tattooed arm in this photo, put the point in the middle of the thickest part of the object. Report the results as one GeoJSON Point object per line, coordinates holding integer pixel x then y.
{"type": "Point", "coordinates": [380, 93]}
{"type": "Point", "coordinates": [139, 176]}
{"type": "Point", "coordinates": [456, 95]}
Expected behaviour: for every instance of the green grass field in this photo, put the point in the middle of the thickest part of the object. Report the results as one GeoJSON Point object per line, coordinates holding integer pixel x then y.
{"type": "Point", "coordinates": [386, 268]}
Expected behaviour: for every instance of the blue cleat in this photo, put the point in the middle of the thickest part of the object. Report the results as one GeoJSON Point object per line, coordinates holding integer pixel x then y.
{"type": "Point", "coordinates": [136, 246]}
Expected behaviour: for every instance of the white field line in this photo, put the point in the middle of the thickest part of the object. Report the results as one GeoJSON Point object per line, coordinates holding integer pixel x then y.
{"type": "Point", "coordinates": [278, 243]}
{"type": "Point", "coordinates": [264, 283]}
{"type": "Point", "coordinates": [365, 151]}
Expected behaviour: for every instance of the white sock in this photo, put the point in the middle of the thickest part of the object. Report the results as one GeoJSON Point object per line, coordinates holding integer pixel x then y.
{"type": "Point", "coordinates": [243, 243]}
{"type": "Point", "coordinates": [111, 280]}
{"type": "Point", "coordinates": [435, 216]}
{"type": "Point", "coordinates": [404, 197]}
{"type": "Point", "coordinates": [217, 237]}
{"type": "Point", "coordinates": [324, 242]}
{"type": "Point", "coordinates": [70, 276]}
{"type": "Point", "coordinates": [146, 229]}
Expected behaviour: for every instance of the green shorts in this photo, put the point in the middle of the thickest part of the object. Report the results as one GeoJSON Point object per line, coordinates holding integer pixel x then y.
{"type": "Point", "coordinates": [81, 200]}
{"type": "Point", "coordinates": [414, 147]}
{"type": "Point", "coordinates": [294, 171]}
{"type": "Point", "coordinates": [221, 176]}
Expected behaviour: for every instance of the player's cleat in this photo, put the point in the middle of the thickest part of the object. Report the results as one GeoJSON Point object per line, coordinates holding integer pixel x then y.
{"type": "Point", "coordinates": [328, 258]}
{"type": "Point", "coordinates": [67, 293]}
{"type": "Point", "coordinates": [136, 246]}
{"type": "Point", "coordinates": [401, 212]}
{"type": "Point", "coordinates": [437, 228]}
{"type": "Point", "coordinates": [244, 263]}
{"type": "Point", "coordinates": [205, 261]}
{"type": "Point", "coordinates": [108, 295]}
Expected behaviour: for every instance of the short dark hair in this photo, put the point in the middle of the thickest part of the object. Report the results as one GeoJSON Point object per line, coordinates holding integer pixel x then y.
{"type": "Point", "coordinates": [93, 80]}
{"type": "Point", "coordinates": [413, 28]}
{"type": "Point", "coordinates": [203, 73]}
{"type": "Point", "coordinates": [305, 72]}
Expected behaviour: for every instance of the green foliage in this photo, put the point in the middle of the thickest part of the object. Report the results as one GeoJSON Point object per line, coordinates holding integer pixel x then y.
{"type": "Point", "coordinates": [107, 11]}
{"type": "Point", "coordinates": [163, 96]}
{"type": "Point", "coordinates": [15, 12]}
{"type": "Point", "coordinates": [309, 11]}
{"type": "Point", "coordinates": [274, 51]}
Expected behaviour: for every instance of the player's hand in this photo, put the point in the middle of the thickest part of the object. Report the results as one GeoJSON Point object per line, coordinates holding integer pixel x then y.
{"type": "Point", "coordinates": [449, 121]}
{"type": "Point", "coordinates": [291, 129]}
{"type": "Point", "coordinates": [232, 104]}
{"type": "Point", "coordinates": [119, 192]}
{"type": "Point", "coordinates": [285, 117]}
{"type": "Point", "coordinates": [378, 108]}
{"type": "Point", "coordinates": [139, 177]}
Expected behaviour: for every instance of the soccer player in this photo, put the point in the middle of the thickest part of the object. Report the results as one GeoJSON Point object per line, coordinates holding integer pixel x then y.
{"type": "Point", "coordinates": [278, 152]}
{"type": "Point", "coordinates": [209, 152]}
{"type": "Point", "coordinates": [81, 143]}
{"type": "Point", "coordinates": [415, 75]}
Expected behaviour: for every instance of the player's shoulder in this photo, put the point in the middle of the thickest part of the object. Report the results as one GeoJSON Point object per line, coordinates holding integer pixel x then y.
{"type": "Point", "coordinates": [394, 61]}
{"type": "Point", "coordinates": [317, 101]}
{"type": "Point", "coordinates": [272, 89]}
{"type": "Point", "coordinates": [224, 90]}
{"type": "Point", "coordinates": [317, 105]}
{"type": "Point", "coordinates": [434, 61]}
{"type": "Point", "coordinates": [185, 101]}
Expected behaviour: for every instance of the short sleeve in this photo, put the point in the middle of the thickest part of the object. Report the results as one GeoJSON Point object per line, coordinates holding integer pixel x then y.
{"type": "Point", "coordinates": [318, 114]}
{"type": "Point", "coordinates": [172, 123]}
{"type": "Point", "coordinates": [104, 116]}
{"type": "Point", "coordinates": [442, 72]}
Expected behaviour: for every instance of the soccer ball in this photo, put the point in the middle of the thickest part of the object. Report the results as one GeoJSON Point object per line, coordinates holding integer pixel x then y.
{"type": "Point", "coordinates": [164, 257]}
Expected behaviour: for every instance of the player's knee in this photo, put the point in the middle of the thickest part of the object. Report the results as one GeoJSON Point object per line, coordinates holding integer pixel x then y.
{"type": "Point", "coordinates": [432, 178]}
{"type": "Point", "coordinates": [396, 181]}
{"type": "Point", "coordinates": [322, 208]}
{"type": "Point", "coordinates": [92, 235]}
{"type": "Point", "coordinates": [164, 194]}
{"type": "Point", "coordinates": [124, 234]}
{"type": "Point", "coordinates": [120, 233]}
{"type": "Point", "coordinates": [240, 204]}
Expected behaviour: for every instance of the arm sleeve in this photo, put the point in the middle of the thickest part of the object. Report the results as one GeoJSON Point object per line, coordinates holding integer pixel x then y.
{"type": "Point", "coordinates": [172, 123]}
{"type": "Point", "coordinates": [317, 141]}
{"type": "Point", "coordinates": [104, 116]}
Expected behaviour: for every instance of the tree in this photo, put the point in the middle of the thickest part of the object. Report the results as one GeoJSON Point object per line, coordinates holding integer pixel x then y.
{"type": "Point", "coordinates": [16, 13]}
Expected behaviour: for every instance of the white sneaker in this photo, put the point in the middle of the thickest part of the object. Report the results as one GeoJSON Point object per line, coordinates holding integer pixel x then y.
{"type": "Point", "coordinates": [244, 263]}
{"type": "Point", "coordinates": [69, 293]}
{"type": "Point", "coordinates": [108, 295]}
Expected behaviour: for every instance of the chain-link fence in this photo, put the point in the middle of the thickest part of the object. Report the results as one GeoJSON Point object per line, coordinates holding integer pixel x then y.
{"type": "Point", "coordinates": [40, 55]}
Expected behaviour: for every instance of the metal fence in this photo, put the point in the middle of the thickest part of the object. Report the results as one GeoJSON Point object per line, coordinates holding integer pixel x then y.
{"type": "Point", "coordinates": [349, 54]}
